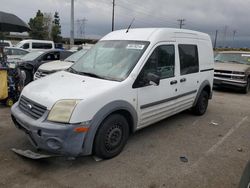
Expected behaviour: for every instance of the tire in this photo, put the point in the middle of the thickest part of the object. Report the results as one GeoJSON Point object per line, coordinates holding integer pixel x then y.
{"type": "Point", "coordinates": [246, 89]}
{"type": "Point", "coordinates": [111, 137]}
{"type": "Point", "coordinates": [245, 178]}
{"type": "Point", "coordinates": [201, 106]}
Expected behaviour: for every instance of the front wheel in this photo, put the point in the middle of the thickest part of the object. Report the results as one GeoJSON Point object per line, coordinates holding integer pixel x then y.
{"type": "Point", "coordinates": [201, 105]}
{"type": "Point", "coordinates": [111, 137]}
{"type": "Point", "coordinates": [246, 89]}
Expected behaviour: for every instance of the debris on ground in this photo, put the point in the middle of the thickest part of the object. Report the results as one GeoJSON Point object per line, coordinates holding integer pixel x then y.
{"type": "Point", "coordinates": [214, 123]}
{"type": "Point", "coordinates": [184, 159]}
{"type": "Point", "coordinates": [97, 159]}
{"type": "Point", "coordinates": [240, 150]}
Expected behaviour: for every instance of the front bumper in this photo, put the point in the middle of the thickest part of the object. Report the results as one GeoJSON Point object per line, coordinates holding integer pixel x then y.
{"type": "Point", "coordinates": [229, 83]}
{"type": "Point", "coordinates": [49, 136]}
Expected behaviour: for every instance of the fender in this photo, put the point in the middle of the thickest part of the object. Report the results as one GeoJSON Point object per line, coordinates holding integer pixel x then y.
{"type": "Point", "coordinates": [202, 86]}
{"type": "Point", "coordinates": [100, 116]}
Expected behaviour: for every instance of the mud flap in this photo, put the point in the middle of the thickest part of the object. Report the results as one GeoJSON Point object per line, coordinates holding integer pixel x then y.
{"type": "Point", "coordinates": [32, 155]}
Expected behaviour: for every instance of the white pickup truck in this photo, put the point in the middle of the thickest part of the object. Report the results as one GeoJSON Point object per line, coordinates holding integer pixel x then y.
{"type": "Point", "coordinates": [127, 81]}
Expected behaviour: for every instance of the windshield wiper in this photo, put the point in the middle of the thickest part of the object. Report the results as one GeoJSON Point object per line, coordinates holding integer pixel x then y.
{"type": "Point", "coordinates": [70, 61]}
{"type": "Point", "coordinates": [92, 75]}
{"type": "Point", "coordinates": [70, 69]}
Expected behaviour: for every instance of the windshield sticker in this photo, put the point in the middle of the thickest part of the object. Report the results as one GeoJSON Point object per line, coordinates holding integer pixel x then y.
{"type": "Point", "coordinates": [245, 55]}
{"type": "Point", "coordinates": [135, 46]}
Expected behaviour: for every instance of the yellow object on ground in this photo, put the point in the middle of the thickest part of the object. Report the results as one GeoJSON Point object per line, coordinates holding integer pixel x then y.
{"type": "Point", "coordinates": [3, 84]}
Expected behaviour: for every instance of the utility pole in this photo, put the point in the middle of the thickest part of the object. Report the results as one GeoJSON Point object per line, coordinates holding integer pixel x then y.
{"type": "Point", "coordinates": [81, 27]}
{"type": "Point", "coordinates": [225, 35]}
{"type": "Point", "coordinates": [113, 15]}
{"type": "Point", "coordinates": [234, 33]}
{"type": "Point", "coordinates": [72, 24]}
{"type": "Point", "coordinates": [215, 39]}
{"type": "Point", "coordinates": [181, 22]}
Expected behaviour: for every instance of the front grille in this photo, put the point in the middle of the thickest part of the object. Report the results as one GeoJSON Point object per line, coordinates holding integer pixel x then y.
{"type": "Point", "coordinates": [229, 74]}
{"type": "Point", "coordinates": [31, 108]}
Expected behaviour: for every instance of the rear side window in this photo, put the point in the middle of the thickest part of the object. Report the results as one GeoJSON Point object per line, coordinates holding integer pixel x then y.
{"type": "Point", "coordinates": [189, 60]}
{"type": "Point", "coordinates": [36, 45]}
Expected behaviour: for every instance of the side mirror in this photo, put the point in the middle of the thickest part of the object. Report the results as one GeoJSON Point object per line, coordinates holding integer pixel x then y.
{"type": "Point", "coordinates": [153, 79]}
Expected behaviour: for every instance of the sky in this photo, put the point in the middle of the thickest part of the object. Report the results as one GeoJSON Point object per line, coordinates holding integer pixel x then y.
{"type": "Point", "coordinates": [226, 16]}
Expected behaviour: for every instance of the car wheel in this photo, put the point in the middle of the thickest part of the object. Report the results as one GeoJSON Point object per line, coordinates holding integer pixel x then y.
{"type": "Point", "coordinates": [246, 89]}
{"type": "Point", "coordinates": [111, 137]}
{"type": "Point", "coordinates": [245, 178]}
{"type": "Point", "coordinates": [201, 105]}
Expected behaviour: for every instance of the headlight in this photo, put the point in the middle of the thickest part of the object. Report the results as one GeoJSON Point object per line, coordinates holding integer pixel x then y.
{"type": "Point", "coordinates": [62, 110]}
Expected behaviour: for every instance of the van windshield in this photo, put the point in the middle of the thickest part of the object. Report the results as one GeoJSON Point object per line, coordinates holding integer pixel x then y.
{"type": "Point", "coordinates": [111, 60]}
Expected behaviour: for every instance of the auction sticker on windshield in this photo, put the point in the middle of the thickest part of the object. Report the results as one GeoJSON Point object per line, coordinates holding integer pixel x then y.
{"type": "Point", "coordinates": [135, 46]}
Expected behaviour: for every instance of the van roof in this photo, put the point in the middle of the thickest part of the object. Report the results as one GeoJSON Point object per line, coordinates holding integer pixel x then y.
{"type": "Point", "coordinates": [155, 34]}
{"type": "Point", "coordinates": [33, 40]}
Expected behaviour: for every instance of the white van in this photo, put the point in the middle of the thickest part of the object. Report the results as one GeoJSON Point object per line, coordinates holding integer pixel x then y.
{"type": "Point", "coordinates": [32, 45]}
{"type": "Point", "coordinates": [127, 81]}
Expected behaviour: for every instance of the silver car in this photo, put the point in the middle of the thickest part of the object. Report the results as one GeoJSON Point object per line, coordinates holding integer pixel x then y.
{"type": "Point", "coordinates": [232, 69]}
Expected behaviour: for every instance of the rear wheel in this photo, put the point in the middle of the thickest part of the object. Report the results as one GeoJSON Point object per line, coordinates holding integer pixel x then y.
{"type": "Point", "coordinates": [201, 105]}
{"type": "Point", "coordinates": [111, 137]}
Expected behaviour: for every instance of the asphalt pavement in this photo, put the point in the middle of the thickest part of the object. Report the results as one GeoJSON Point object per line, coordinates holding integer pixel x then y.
{"type": "Point", "coordinates": [214, 150]}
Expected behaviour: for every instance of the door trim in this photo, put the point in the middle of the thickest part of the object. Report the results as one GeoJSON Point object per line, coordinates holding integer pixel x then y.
{"type": "Point", "coordinates": [167, 100]}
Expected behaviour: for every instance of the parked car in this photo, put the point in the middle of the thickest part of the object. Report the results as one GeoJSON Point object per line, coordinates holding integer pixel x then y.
{"type": "Point", "coordinates": [127, 81]}
{"type": "Point", "coordinates": [6, 43]}
{"type": "Point", "coordinates": [232, 69]}
{"type": "Point", "coordinates": [55, 66]}
{"type": "Point", "coordinates": [31, 61]}
{"type": "Point", "coordinates": [14, 53]}
{"type": "Point", "coordinates": [32, 45]}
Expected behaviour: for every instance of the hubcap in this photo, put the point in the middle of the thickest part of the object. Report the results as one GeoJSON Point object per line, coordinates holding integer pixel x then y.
{"type": "Point", "coordinates": [113, 137]}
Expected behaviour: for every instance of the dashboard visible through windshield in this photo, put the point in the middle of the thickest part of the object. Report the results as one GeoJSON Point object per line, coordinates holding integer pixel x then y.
{"type": "Point", "coordinates": [111, 60]}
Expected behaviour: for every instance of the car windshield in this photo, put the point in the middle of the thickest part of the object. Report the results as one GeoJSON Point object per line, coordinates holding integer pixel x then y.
{"type": "Point", "coordinates": [31, 56]}
{"type": "Point", "coordinates": [75, 56]}
{"type": "Point", "coordinates": [241, 58]}
{"type": "Point", "coordinates": [111, 60]}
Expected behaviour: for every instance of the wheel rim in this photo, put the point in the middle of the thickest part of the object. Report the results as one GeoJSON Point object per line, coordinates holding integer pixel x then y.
{"type": "Point", "coordinates": [113, 138]}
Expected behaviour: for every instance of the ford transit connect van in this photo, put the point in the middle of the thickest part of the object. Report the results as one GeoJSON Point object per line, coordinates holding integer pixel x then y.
{"type": "Point", "coordinates": [127, 81]}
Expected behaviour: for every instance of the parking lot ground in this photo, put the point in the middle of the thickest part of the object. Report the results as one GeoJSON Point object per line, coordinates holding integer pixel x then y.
{"type": "Point", "coordinates": [217, 146]}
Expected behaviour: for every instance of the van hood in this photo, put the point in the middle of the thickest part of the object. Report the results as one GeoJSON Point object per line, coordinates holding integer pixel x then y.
{"type": "Point", "coordinates": [55, 66]}
{"type": "Point", "coordinates": [64, 85]}
{"type": "Point", "coordinates": [231, 67]}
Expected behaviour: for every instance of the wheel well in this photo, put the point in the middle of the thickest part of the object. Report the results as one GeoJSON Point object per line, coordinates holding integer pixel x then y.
{"type": "Point", "coordinates": [128, 117]}
{"type": "Point", "coordinates": [207, 89]}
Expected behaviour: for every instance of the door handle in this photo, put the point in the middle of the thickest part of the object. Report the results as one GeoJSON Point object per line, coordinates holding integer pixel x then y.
{"type": "Point", "coordinates": [173, 82]}
{"type": "Point", "coordinates": [183, 80]}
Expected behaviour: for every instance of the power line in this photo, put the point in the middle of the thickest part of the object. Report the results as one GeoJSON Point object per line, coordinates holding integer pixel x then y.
{"type": "Point", "coordinates": [181, 22]}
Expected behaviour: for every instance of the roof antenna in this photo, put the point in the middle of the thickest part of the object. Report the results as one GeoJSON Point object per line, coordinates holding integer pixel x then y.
{"type": "Point", "coordinates": [130, 25]}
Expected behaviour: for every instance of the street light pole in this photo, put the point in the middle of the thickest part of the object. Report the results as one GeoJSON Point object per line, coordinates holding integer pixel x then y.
{"type": "Point", "coordinates": [72, 24]}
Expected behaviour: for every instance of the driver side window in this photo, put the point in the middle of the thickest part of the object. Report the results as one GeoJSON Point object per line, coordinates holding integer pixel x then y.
{"type": "Point", "coordinates": [161, 63]}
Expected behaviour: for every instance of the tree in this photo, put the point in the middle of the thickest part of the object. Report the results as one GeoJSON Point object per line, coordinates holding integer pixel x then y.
{"type": "Point", "coordinates": [38, 29]}
{"type": "Point", "coordinates": [56, 28]}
